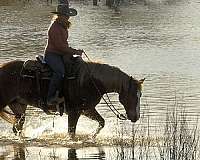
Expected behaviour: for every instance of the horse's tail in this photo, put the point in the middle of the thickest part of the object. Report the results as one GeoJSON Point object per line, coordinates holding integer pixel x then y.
{"type": "Point", "coordinates": [8, 117]}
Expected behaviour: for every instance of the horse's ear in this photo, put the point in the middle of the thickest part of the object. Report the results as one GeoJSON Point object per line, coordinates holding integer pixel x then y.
{"type": "Point", "coordinates": [141, 81]}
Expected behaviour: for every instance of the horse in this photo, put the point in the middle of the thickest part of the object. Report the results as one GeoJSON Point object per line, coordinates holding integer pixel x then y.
{"type": "Point", "coordinates": [93, 81]}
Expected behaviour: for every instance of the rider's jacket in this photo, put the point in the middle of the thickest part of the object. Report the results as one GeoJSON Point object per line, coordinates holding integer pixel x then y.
{"type": "Point", "coordinates": [57, 39]}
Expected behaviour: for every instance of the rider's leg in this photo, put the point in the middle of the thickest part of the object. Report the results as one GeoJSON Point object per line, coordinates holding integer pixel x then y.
{"type": "Point", "coordinates": [56, 63]}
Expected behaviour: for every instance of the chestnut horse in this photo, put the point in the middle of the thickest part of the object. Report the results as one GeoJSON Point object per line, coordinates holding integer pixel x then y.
{"type": "Point", "coordinates": [93, 81]}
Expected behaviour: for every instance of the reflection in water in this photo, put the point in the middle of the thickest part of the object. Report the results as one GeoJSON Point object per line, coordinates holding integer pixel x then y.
{"type": "Point", "coordinates": [98, 154]}
{"type": "Point", "coordinates": [19, 152]}
{"type": "Point", "coordinates": [72, 154]}
{"type": "Point", "coordinates": [15, 151]}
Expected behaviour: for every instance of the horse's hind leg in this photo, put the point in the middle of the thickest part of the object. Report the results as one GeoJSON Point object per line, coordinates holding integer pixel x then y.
{"type": "Point", "coordinates": [94, 115]}
{"type": "Point", "coordinates": [19, 112]}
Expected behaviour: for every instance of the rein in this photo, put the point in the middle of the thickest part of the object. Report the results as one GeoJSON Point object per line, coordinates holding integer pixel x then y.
{"type": "Point", "coordinates": [109, 103]}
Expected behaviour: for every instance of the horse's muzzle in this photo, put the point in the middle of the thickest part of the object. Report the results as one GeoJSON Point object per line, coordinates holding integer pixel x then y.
{"type": "Point", "coordinates": [133, 117]}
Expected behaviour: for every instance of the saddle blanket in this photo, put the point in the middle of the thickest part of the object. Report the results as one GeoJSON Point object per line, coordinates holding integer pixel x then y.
{"type": "Point", "coordinates": [32, 68]}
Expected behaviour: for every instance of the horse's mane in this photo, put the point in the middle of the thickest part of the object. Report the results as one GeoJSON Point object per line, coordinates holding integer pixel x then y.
{"type": "Point", "coordinates": [99, 70]}
{"type": "Point", "coordinates": [104, 73]}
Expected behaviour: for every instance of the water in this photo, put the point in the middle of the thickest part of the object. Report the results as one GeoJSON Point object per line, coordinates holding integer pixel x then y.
{"type": "Point", "coordinates": [158, 41]}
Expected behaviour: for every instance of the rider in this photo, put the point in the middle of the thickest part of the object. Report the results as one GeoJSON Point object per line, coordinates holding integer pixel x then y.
{"type": "Point", "coordinates": [57, 47]}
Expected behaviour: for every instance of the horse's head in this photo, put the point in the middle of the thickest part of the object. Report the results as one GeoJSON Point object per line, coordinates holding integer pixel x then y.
{"type": "Point", "coordinates": [129, 97]}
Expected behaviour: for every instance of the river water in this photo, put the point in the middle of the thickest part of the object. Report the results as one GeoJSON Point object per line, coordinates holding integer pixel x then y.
{"type": "Point", "coordinates": [158, 40]}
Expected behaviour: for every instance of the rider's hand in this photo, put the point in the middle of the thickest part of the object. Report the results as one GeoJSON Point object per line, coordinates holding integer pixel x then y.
{"type": "Point", "coordinates": [79, 52]}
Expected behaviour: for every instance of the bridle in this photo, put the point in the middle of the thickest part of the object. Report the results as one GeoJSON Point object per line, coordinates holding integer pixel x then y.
{"type": "Point", "coordinates": [112, 107]}
{"type": "Point", "coordinates": [109, 103]}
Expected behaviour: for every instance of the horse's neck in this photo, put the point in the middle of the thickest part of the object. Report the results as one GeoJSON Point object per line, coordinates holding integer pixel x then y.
{"type": "Point", "coordinates": [112, 78]}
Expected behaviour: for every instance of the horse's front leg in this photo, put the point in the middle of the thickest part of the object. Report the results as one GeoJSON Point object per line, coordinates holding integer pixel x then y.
{"type": "Point", "coordinates": [19, 111]}
{"type": "Point", "coordinates": [73, 117]}
{"type": "Point", "coordinates": [94, 115]}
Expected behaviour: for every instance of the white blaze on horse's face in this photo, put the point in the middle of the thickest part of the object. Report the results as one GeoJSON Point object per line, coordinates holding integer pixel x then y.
{"type": "Point", "coordinates": [133, 107]}
{"type": "Point", "coordinates": [138, 104]}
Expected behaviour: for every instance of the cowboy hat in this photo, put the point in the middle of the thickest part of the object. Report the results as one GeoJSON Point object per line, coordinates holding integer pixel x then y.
{"type": "Point", "coordinates": [63, 9]}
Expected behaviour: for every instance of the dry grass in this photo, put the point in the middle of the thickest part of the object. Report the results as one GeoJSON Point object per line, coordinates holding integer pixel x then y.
{"type": "Point", "coordinates": [178, 139]}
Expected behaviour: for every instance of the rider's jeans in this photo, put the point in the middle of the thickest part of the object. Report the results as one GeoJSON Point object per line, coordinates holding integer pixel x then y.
{"type": "Point", "coordinates": [56, 63]}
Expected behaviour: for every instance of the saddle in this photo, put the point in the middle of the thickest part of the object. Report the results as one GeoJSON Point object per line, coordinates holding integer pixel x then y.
{"type": "Point", "coordinates": [38, 67]}
{"type": "Point", "coordinates": [32, 68]}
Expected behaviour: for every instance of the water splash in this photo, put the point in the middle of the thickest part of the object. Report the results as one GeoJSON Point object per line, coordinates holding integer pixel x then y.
{"type": "Point", "coordinates": [55, 125]}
